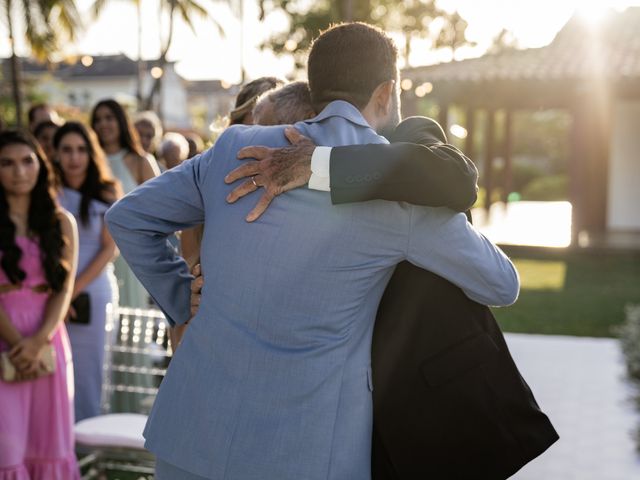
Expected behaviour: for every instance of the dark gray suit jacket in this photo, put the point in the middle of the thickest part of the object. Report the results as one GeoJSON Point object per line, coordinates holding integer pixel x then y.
{"type": "Point", "coordinates": [427, 171]}
{"type": "Point", "coordinates": [449, 402]}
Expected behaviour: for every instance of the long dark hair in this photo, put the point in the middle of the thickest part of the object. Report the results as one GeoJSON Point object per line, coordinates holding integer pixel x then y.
{"type": "Point", "coordinates": [99, 184]}
{"type": "Point", "coordinates": [128, 135]}
{"type": "Point", "coordinates": [43, 221]}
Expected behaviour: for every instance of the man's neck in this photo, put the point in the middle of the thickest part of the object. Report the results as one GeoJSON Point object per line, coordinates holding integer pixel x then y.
{"type": "Point", "coordinates": [370, 116]}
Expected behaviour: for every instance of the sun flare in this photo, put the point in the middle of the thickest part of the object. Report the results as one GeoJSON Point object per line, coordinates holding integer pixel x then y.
{"type": "Point", "coordinates": [593, 12]}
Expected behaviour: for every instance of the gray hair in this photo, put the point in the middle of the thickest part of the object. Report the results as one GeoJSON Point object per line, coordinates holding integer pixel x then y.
{"type": "Point", "coordinates": [151, 118]}
{"type": "Point", "coordinates": [290, 104]}
{"type": "Point", "coordinates": [172, 139]}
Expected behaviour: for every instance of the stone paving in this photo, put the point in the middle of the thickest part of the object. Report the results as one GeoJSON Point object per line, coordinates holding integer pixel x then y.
{"type": "Point", "coordinates": [580, 383]}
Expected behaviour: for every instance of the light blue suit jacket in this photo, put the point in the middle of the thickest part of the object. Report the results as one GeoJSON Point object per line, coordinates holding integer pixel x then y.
{"type": "Point", "coordinates": [272, 380]}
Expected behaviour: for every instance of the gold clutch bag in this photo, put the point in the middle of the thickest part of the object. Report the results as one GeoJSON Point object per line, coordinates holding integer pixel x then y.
{"type": "Point", "coordinates": [48, 360]}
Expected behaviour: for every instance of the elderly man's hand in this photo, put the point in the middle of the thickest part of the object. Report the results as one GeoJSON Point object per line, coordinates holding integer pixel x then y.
{"type": "Point", "coordinates": [196, 288]}
{"type": "Point", "coordinates": [176, 333]}
{"type": "Point", "coordinates": [277, 170]}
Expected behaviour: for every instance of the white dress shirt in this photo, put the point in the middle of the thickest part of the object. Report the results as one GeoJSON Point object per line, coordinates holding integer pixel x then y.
{"type": "Point", "coordinates": [320, 161]}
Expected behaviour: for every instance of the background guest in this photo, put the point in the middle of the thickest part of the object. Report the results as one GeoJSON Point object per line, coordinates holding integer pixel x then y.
{"type": "Point", "coordinates": [39, 246]}
{"type": "Point", "coordinates": [42, 112]}
{"type": "Point", "coordinates": [88, 190]}
{"type": "Point", "coordinates": [44, 133]}
{"type": "Point", "coordinates": [131, 167]}
{"type": "Point", "coordinates": [285, 105]}
{"type": "Point", "coordinates": [248, 96]}
{"type": "Point", "coordinates": [196, 145]}
{"type": "Point", "coordinates": [149, 129]}
{"type": "Point", "coordinates": [174, 149]}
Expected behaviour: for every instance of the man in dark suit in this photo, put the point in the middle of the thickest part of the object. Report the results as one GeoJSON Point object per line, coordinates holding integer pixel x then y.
{"type": "Point", "coordinates": [449, 402]}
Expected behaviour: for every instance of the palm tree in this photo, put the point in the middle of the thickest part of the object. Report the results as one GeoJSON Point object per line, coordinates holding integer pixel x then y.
{"type": "Point", "coordinates": [186, 9]}
{"type": "Point", "coordinates": [45, 23]}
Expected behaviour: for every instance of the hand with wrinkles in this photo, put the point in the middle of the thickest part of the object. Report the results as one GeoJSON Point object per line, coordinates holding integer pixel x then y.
{"type": "Point", "coordinates": [196, 288]}
{"type": "Point", "coordinates": [176, 333]}
{"type": "Point", "coordinates": [276, 170]}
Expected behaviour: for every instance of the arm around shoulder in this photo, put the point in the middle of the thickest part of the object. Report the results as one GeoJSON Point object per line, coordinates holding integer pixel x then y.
{"type": "Point", "coordinates": [448, 245]}
{"type": "Point", "coordinates": [429, 175]}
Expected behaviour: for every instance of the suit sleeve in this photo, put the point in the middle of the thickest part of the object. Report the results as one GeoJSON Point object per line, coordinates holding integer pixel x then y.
{"type": "Point", "coordinates": [452, 248]}
{"type": "Point", "coordinates": [436, 175]}
{"type": "Point", "coordinates": [141, 222]}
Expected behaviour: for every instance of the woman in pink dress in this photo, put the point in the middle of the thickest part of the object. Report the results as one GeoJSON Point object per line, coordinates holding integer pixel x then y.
{"type": "Point", "coordinates": [38, 256]}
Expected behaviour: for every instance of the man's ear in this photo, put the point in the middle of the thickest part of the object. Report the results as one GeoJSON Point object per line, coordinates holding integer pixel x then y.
{"type": "Point", "coordinates": [382, 97]}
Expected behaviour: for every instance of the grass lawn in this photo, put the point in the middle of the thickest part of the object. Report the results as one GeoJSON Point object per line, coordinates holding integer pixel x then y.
{"type": "Point", "coordinates": [577, 293]}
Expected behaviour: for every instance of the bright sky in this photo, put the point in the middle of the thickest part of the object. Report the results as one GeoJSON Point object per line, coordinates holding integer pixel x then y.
{"type": "Point", "coordinates": [206, 54]}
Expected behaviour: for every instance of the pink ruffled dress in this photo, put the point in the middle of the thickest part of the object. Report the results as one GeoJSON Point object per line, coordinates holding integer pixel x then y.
{"type": "Point", "coordinates": [36, 416]}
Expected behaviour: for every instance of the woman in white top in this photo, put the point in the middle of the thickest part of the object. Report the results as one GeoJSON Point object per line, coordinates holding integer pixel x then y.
{"type": "Point", "coordinates": [132, 167]}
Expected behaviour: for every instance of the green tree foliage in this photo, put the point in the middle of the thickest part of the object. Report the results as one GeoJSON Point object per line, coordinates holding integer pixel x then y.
{"type": "Point", "coordinates": [547, 189]}
{"type": "Point", "coordinates": [412, 18]}
{"type": "Point", "coordinates": [543, 134]}
{"type": "Point", "coordinates": [453, 33]}
{"type": "Point", "coordinates": [47, 24]}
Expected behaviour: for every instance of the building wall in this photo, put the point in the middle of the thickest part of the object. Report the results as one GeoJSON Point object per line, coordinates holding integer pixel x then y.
{"type": "Point", "coordinates": [85, 92]}
{"type": "Point", "coordinates": [174, 101]}
{"type": "Point", "coordinates": [211, 106]}
{"type": "Point", "coordinates": [623, 211]}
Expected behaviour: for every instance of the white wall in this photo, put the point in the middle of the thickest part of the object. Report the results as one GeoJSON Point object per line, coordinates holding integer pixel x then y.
{"type": "Point", "coordinates": [85, 92]}
{"type": "Point", "coordinates": [623, 209]}
{"type": "Point", "coordinates": [174, 101]}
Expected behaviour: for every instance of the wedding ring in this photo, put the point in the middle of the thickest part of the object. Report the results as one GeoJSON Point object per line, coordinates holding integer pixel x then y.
{"type": "Point", "coordinates": [253, 180]}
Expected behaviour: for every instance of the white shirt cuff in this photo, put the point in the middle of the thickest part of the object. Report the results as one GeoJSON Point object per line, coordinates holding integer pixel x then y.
{"type": "Point", "coordinates": [320, 162]}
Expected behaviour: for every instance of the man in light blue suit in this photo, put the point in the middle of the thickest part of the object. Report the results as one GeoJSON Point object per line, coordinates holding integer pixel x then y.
{"type": "Point", "coordinates": [272, 380]}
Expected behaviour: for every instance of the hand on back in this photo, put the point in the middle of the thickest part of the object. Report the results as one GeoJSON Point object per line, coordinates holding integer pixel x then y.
{"type": "Point", "coordinates": [277, 170]}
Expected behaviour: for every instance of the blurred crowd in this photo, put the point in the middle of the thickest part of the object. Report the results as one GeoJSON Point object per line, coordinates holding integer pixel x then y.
{"type": "Point", "coordinates": [56, 285]}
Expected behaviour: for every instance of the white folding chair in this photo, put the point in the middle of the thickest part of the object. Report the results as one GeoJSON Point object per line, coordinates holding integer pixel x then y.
{"type": "Point", "coordinates": [136, 356]}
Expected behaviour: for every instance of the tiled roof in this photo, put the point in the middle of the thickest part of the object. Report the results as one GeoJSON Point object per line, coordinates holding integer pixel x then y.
{"type": "Point", "coordinates": [205, 86]}
{"type": "Point", "coordinates": [101, 66]}
{"type": "Point", "coordinates": [610, 49]}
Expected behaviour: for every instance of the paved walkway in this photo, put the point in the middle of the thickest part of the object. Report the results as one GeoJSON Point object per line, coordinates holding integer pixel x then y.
{"type": "Point", "coordinates": [580, 384]}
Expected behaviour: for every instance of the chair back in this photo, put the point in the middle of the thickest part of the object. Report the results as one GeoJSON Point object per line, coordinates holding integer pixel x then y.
{"type": "Point", "coordinates": [137, 354]}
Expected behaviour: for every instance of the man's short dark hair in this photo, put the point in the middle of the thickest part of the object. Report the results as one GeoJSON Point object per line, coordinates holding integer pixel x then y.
{"type": "Point", "coordinates": [348, 61]}
{"type": "Point", "coordinates": [289, 104]}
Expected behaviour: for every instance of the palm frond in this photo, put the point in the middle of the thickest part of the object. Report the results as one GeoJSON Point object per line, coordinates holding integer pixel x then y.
{"type": "Point", "coordinates": [187, 8]}
{"type": "Point", "coordinates": [98, 7]}
{"type": "Point", "coordinates": [193, 7]}
{"type": "Point", "coordinates": [67, 16]}
{"type": "Point", "coordinates": [38, 34]}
